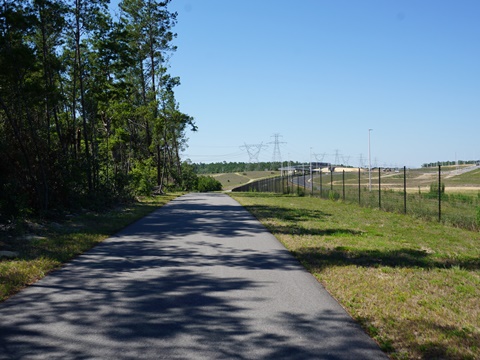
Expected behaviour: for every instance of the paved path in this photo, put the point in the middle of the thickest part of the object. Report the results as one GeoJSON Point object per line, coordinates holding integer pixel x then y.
{"type": "Point", "coordinates": [199, 278]}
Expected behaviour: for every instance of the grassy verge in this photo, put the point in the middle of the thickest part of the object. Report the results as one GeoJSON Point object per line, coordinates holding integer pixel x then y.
{"type": "Point", "coordinates": [414, 286]}
{"type": "Point", "coordinates": [44, 246]}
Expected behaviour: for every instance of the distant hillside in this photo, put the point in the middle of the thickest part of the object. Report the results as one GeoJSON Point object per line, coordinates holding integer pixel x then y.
{"type": "Point", "coordinates": [236, 167]}
{"type": "Point", "coordinates": [231, 180]}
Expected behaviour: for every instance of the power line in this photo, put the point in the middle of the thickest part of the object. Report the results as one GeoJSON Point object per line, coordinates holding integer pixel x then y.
{"type": "Point", "coordinates": [319, 157]}
{"type": "Point", "coordinates": [337, 157]}
{"type": "Point", "coordinates": [253, 150]}
{"type": "Point", "coordinates": [277, 156]}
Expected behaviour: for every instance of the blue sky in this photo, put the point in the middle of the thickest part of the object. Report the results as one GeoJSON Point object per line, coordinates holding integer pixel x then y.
{"type": "Point", "coordinates": [322, 72]}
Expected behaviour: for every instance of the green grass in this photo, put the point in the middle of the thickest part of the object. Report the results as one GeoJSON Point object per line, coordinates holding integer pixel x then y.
{"type": "Point", "coordinates": [415, 178]}
{"type": "Point", "coordinates": [232, 180]}
{"type": "Point", "coordinates": [460, 204]}
{"type": "Point", "coordinates": [44, 246]}
{"type": "Point", "coordinates": [413, 285]}
{"type": "Point", "coordinates": [471, 178]}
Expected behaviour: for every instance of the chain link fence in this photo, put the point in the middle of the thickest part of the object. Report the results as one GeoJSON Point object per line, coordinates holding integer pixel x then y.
{"type": "Point", "coordinates": [383, 189]}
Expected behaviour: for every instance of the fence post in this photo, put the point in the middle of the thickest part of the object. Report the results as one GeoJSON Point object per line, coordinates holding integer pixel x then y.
{"type": "Point", "coordinates": [359, 197]}
{"type": "Point", "coordinates": [288, 183]}
{"type": "Point", "coordinates": [311, 179]}
{"type": "Point", "coordinates": [379, 190]}
{"type": "Point", "coordinates": [343, 184]}
{"type": "Point", "coordinates": [331, 178]}
{"type": "Point", "coordinates": [321, 182]}
{"type": "Point", "coordinates": [439, 193]}
{"type": "Point", "coordinates": [404, 189]}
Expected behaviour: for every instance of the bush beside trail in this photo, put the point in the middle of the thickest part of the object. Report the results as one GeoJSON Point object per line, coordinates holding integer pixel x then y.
{"type": "Point", "coordinates": [208, 183]}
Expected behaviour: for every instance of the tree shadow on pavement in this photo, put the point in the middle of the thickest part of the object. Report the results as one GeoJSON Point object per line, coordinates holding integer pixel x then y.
{"type": "Point", "coordinates": [179, 285]}
{"type": "Point", "coordinates": [150, 311]}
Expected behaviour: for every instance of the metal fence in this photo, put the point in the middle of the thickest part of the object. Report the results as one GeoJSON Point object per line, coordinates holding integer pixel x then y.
{"type": "Point", "coordinates": [389, 192]}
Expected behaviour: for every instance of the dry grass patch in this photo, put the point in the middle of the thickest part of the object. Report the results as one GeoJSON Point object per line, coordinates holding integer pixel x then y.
{"type": "Point", "coordinates": [414, 286]}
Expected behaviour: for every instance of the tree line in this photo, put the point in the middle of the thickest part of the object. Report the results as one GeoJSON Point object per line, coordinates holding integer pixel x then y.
{"type": "Point", "coordinates": [88, 115]}
{"type": "Point", "coordinates": [232, 167]}
{"type": "Point", "coordinates": [451, 163]}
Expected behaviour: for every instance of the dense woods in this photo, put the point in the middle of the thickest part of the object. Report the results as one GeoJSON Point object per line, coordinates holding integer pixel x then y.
{"type": "Point", "coordinates": [88, 115]}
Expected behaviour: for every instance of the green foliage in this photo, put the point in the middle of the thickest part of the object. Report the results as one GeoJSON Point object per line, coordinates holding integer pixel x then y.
{"type": "Point", "coordinates": [88, 115]}
{"type": "Point", "coordinates": [189, 178]}
{"type": "Point", "coordinates": [434, 188]}
{"type": "Point", "coordinates": [143, 178]}
{"type": "Point", "coordinates": [208, 183]}
{"type": "Point", "coordinates": [433, 192]}
{"type": "Point", "coordinates": [333, 195]}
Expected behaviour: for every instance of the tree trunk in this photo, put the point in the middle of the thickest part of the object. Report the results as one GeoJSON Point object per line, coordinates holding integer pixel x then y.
{"type": "Point", "coordinates": [82, 95]}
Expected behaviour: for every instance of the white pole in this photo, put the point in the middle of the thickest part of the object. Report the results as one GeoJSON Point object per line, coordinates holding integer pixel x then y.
{"type": "Point", "coordinates": [369, 163]}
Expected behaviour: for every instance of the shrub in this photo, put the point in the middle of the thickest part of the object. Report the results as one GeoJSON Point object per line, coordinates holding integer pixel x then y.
{"type": "Point", "coordinates": [434, 188]}
{"type": "Point", "coordinates": [189, 178]}
{"type": "Point", "coordinates": [143, 177]}
{"type": "Point", "coordinates": [433, 193]}
{"type": "Point", "coordinates": [208, 183]}
{"type": "Point", "coordinates": [333, 195]}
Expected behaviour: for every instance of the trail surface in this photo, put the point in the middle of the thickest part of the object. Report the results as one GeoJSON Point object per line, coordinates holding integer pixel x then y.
{"type": "Point", "coordinates": [199, 278]}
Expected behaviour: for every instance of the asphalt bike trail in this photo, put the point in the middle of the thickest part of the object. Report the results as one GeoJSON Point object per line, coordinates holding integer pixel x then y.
{"type": "Point", "coordinates": [199, 278]}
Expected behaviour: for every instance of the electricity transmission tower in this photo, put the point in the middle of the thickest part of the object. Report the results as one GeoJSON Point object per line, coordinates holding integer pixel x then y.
{"type": "Point", "coordinates": [319, 157]}
{"type": "Point", "coordinates": [277, 156]}
{"type": "Point", "coordinates": [362, 161]}
{"type": "Point", "coordinates": [337, 157]}
{"type": "Point", "coordinates": [253, 150]}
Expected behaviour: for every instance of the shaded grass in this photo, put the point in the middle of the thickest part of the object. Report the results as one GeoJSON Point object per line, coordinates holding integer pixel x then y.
{"type": "Point", "coordinates": [44, 246]}
{"type": "Point", "coordinates": [413, 286]}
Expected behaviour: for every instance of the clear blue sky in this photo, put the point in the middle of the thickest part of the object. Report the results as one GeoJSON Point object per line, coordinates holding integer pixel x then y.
{"type": "Point", "coordinates": [322, 72]}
